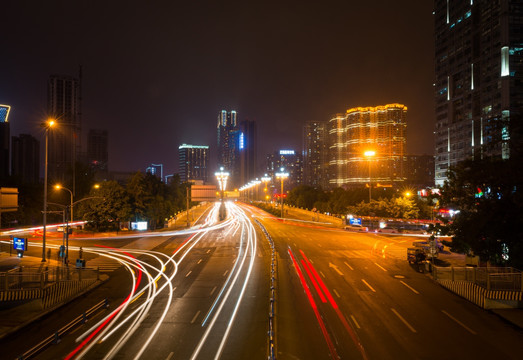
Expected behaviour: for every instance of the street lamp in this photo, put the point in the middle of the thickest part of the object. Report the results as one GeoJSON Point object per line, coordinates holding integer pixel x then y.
{"type": "Point", "coordinates": [265, 179]}
{"type": "Point", "coordinates": [369, 154]}
{"type": "Point", "coordinates": [222, 180]}
{"type": "Point", "coordinates": [58, 187]}
{"type": "Point", "coordinates": [282, 175]}
{"type": "Point", "coordinates": [47, 125]}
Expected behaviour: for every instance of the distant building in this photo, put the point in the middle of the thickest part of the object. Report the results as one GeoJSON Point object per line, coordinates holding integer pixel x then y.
{"type": "Point", "coordinates": [4, 141]}
{"type": "Point", "coordinates": [228, 132]}
{"type": "Point", "coordinates": [478, 77]}
{"type": "Point", "coordinates": [63, 105]}
{"type": "Point", "coordinates": [315, 154]}
{"type": "Point", "coordinates": [156, 170]}
{"type": "Point", "coordinates": [337, 153]}
{"type": "Point", "coordinates": [419, 171]}
{"type": "Point", "coordinates": [97, 153]}
{"type": "Point", "coordinates": [25, 161]}
{"type": "Point", "coordinates": [193, 162]}
{"type": "Point", "coordinates": [248, 151]}
{"type": "Point", "coordinates": [290, 161]}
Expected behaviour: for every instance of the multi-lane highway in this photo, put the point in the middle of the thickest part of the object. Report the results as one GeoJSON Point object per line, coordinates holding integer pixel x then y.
{"type": "Point", "coordinates": [204, 293]}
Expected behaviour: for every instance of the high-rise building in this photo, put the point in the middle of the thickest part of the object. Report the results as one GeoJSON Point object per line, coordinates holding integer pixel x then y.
{"type": "Point", "coordinates": [315, 154]}
{"type": "Point", "coordinates": [193, 162]}
{"type": "Point", "coordinates": [337, 153]}
{"type": "Point", "coordinates": [290, 161]}
{"type": "Point", "coordinates": [248, 152]}
{"type": "Point", "coordinates": [156, 170]}
{"type": "Point", "coordinates": [478, 77]}
{"type": "Point", "coordinates": [97, 152]}
{"type": "Point", "coordinates": [228, 132]}
{"type": "Point", "coordinates": [419, 171]}
{"type": "Point", "coordinates": [4, 141]}
{"type": "Point", "coordinates": [25, 161]}
{"type": "Point", "coordinates": [380, 129]}
{"type": "Point", "coordinates": [63, 105]}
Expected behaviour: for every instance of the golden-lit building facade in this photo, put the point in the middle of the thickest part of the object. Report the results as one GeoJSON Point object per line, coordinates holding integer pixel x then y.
{"type": "Point", "coordinates": [337, 151]}
{"type": "Point", "coordinates": [380, 129]}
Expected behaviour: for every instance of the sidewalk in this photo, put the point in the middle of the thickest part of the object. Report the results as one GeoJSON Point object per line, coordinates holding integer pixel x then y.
{"type": "Point", "coordinates": [11, 261]}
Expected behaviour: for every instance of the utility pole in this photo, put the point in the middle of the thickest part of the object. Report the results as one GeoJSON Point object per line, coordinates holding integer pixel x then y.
{"type": "Point", "coordinates": [188, 221]}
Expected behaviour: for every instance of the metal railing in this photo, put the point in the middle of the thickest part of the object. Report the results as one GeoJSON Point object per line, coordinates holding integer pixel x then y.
{"type": "Point", "coordinates": [55, 337]}
{"type": "Point", "coordinates": [26, 277]}
{"type": "Point", "coordinates": [490, 278]}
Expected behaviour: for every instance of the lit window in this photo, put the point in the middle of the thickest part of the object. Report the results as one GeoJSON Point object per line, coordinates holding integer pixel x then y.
{"type": "Point", "coordinates": [505, 61]}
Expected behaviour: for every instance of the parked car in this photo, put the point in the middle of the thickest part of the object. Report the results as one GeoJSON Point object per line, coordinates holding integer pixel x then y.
{"type": "Point", "coordinates": [356, 228]}
{"type": "Point", "coordinates": [387, 230]}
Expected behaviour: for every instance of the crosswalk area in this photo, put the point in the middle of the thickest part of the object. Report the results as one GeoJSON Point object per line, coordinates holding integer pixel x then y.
{"type": "Point", "coordinates": [104, 264]}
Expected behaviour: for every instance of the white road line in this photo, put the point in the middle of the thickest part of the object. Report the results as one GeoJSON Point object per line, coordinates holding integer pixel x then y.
{"type": "Point", "coordinates": [170, 356]}
{"type": "Point", "coordinates": [338, 295]}
{"type": "Point", "coordinates": [381, 267]}
{"type": "Point", "coordinates": [366, 283]}
{"type": "Point", "coordinates": [322, 274]}
{"type": "Point", "coordinates": [225, 273]}
{"type": "Point", "coordinates": [413, 290]}
{"type": "Point", "coordinates": [208, 251]}
{"type": "Point", "coordinates": [199, 261]}
{"type": "Point", "coordinates": [459, 322]}
{"type": "Point", "coordinates": [355, 322]}
{"type": "Point", "coordinates": [212, 291]}
{"type": "Point", "coordinates": [195, 316]}
{"type": "Point", "coordinates": [350, 267]}
{"type": "Point", "coordinates": [403, 320]}
{"type": "Point", "coordinates": [189, 273]}
{"type": "Point", "coordinates": [312, 262]}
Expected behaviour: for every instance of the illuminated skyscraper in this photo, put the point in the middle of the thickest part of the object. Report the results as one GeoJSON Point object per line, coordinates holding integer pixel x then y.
{"type": "Point", "coordinates": [63, 105]}
{"type": "Point", "coordinates": [248, 151]}
{"type": "Point", "coordinates": [193, 162]}
{"type": "Point", "coordinates": [228, 145]}
{"type": "Point", "coordinates": [315, 154]}
{"type": "Point", "coordinates": [4, 141]}
{"type": "Point", "coordinates": [380, 129]}
{"type": "Point", "coordinates": [478, 80]}
{"type": "Point", "coordinates": [291, 161]}
{"type": "Point", "coordinates": [337, 140]}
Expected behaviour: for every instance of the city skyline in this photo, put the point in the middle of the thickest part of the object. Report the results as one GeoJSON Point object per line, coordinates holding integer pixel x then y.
{"type": "Point", "coordinates": [162, 85]}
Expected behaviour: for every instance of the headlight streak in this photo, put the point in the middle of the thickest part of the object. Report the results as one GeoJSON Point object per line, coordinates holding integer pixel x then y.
{"type": "Point", "coordinates": [251, 238]}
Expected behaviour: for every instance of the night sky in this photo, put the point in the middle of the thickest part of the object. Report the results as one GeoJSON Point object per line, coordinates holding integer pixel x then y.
{"type": "Point", "coordinates": [156, 74]}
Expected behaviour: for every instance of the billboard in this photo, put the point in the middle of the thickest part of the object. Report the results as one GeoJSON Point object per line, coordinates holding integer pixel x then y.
{"type": "Point", "coordinates": [204, 193]}
{"type": "Point", "coordinates": [20, 244]}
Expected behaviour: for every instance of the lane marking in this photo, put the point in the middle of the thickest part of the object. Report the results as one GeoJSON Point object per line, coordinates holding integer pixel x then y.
{"type": "Point", "coordinates": [199, 261]}
{"type": "Point", "coordinates": [366, 283]}
{"type": "Point", "coordinates": [331, 265]}
{"type": "Point", "coordinates": [195, 316]}
{"type": "Point", "coordinates": [338, 295]}
{"type": "Point", "coordinates": [208, 251]}
{"type": "Point", "coordinates": [355, 322]}
{"type": "Point", "coordinates": [459, 322]}
{"type": "Point", "coordinates": [403, 320]}
{"type": "Point", "coordinates": [413, 290]}
{"type": "Point", "coordinates": [169, 356]}
{"type": "Point", "coordinates": [225, 273]}
{"type": "Point", "coordinates": [189, 273]}
{"type": "Point", "coordinates": [381, 267]}
{"type": "Point", "coordinates": [322, 274]}
{"type": "Point", "coordinates": [350, 267]}
{"type": "Point", "coordinates": [212, 291]}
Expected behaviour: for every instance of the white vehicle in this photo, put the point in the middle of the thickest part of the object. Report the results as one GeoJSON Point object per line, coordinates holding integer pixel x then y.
{"type": "Point", "coordinates": [356, 228]}
{"type": "Point", "coordinates": [388, 230]}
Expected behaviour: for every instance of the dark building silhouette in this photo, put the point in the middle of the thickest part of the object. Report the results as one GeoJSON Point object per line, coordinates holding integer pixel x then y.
{"type": "Point", "coordinates": [4, 141]}
{"type": "Point", "coordinates": [193, 162]}
{"type": "Point", "coordinates": [315, 154]}
{"type": "Point", "coordinates": [248, 151]}
{"type": "Point", "coordinates": [25, 160]}
{"type": "Point", "coordinates": [97, 153]}
{"type": "Point", "coordinates": [291, 162]}
{"type": "Point", "coordinates": [419, 171]}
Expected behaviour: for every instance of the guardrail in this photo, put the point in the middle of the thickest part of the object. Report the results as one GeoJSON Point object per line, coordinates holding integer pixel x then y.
{"type": "Point", "coordinates": [26, 277]}
{"type": "Point", "coordinates": [55, 338]}
{"type": "Point", "coordinates": [489, 278]}
{"type": "Point", "coordinates": [271, 346]}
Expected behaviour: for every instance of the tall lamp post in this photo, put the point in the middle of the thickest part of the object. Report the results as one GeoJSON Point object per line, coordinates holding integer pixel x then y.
{"type": "Point", "coordinates": [222, 180]}
{"type": "Point", "coordinates": [60, 187]}
{"type": "Point", "coordinates": [282, 175]}
{"type": "Point", "coordinates": [47, 125]}
{"type": "Point", "coordinates": [265, 179]}
{"type": "Point", "coordinates": [370, 154]}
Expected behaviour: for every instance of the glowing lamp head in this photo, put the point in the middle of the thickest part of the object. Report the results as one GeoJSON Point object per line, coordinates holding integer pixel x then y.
{"type": "Point", "coordinates": [369, 153]}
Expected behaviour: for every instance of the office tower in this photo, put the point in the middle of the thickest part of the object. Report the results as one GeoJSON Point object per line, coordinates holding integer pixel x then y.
{"type": "Point", "coordinates": [419, 171]}
{"type": "Point", "coordinates": [228, 145]}
{"type": "Point", "coordinates": [290, 161]}
{"type": "Point", "coordinates": [315, 154]}
{"type": "Point", "coordinates": [248, 151]}
{"type": "Point", "coordinates": [4, 141]}
{"type": "Point", "coordinates": [63, 105]}
{"type": "Point", "coordinates": [193, 162]}
{"type": "Point", "coordinates": [97, 153]}
{"type": "Point", "coordinates": [478, 77]}
{"type": "Point", "coordinates": [25, 161]}
{"type": "Point", "coordinates": [380, 129]}
{"type": "Point", "coordinates": [337, 153]}
{"type": "Point", "coordinates": [156, 170]}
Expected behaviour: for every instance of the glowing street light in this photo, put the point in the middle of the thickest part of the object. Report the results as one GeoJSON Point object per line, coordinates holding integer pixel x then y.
{"type": "Point", "coordinates": [222, 177]}
{"type": "Point", "coordinates": [282, 175]}
{"type": "Point", "coordinates": [370, 154]}
{"type": "Point", "coordinates": [47, 125]}
{"type": "Point", "coordinates": [60, 187]}
{"type": "Point", "coordinates": [265, 179]}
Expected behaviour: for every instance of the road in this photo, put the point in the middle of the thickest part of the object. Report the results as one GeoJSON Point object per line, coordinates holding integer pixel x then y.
{"type": "Point", "coordinates": [205, 294]}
